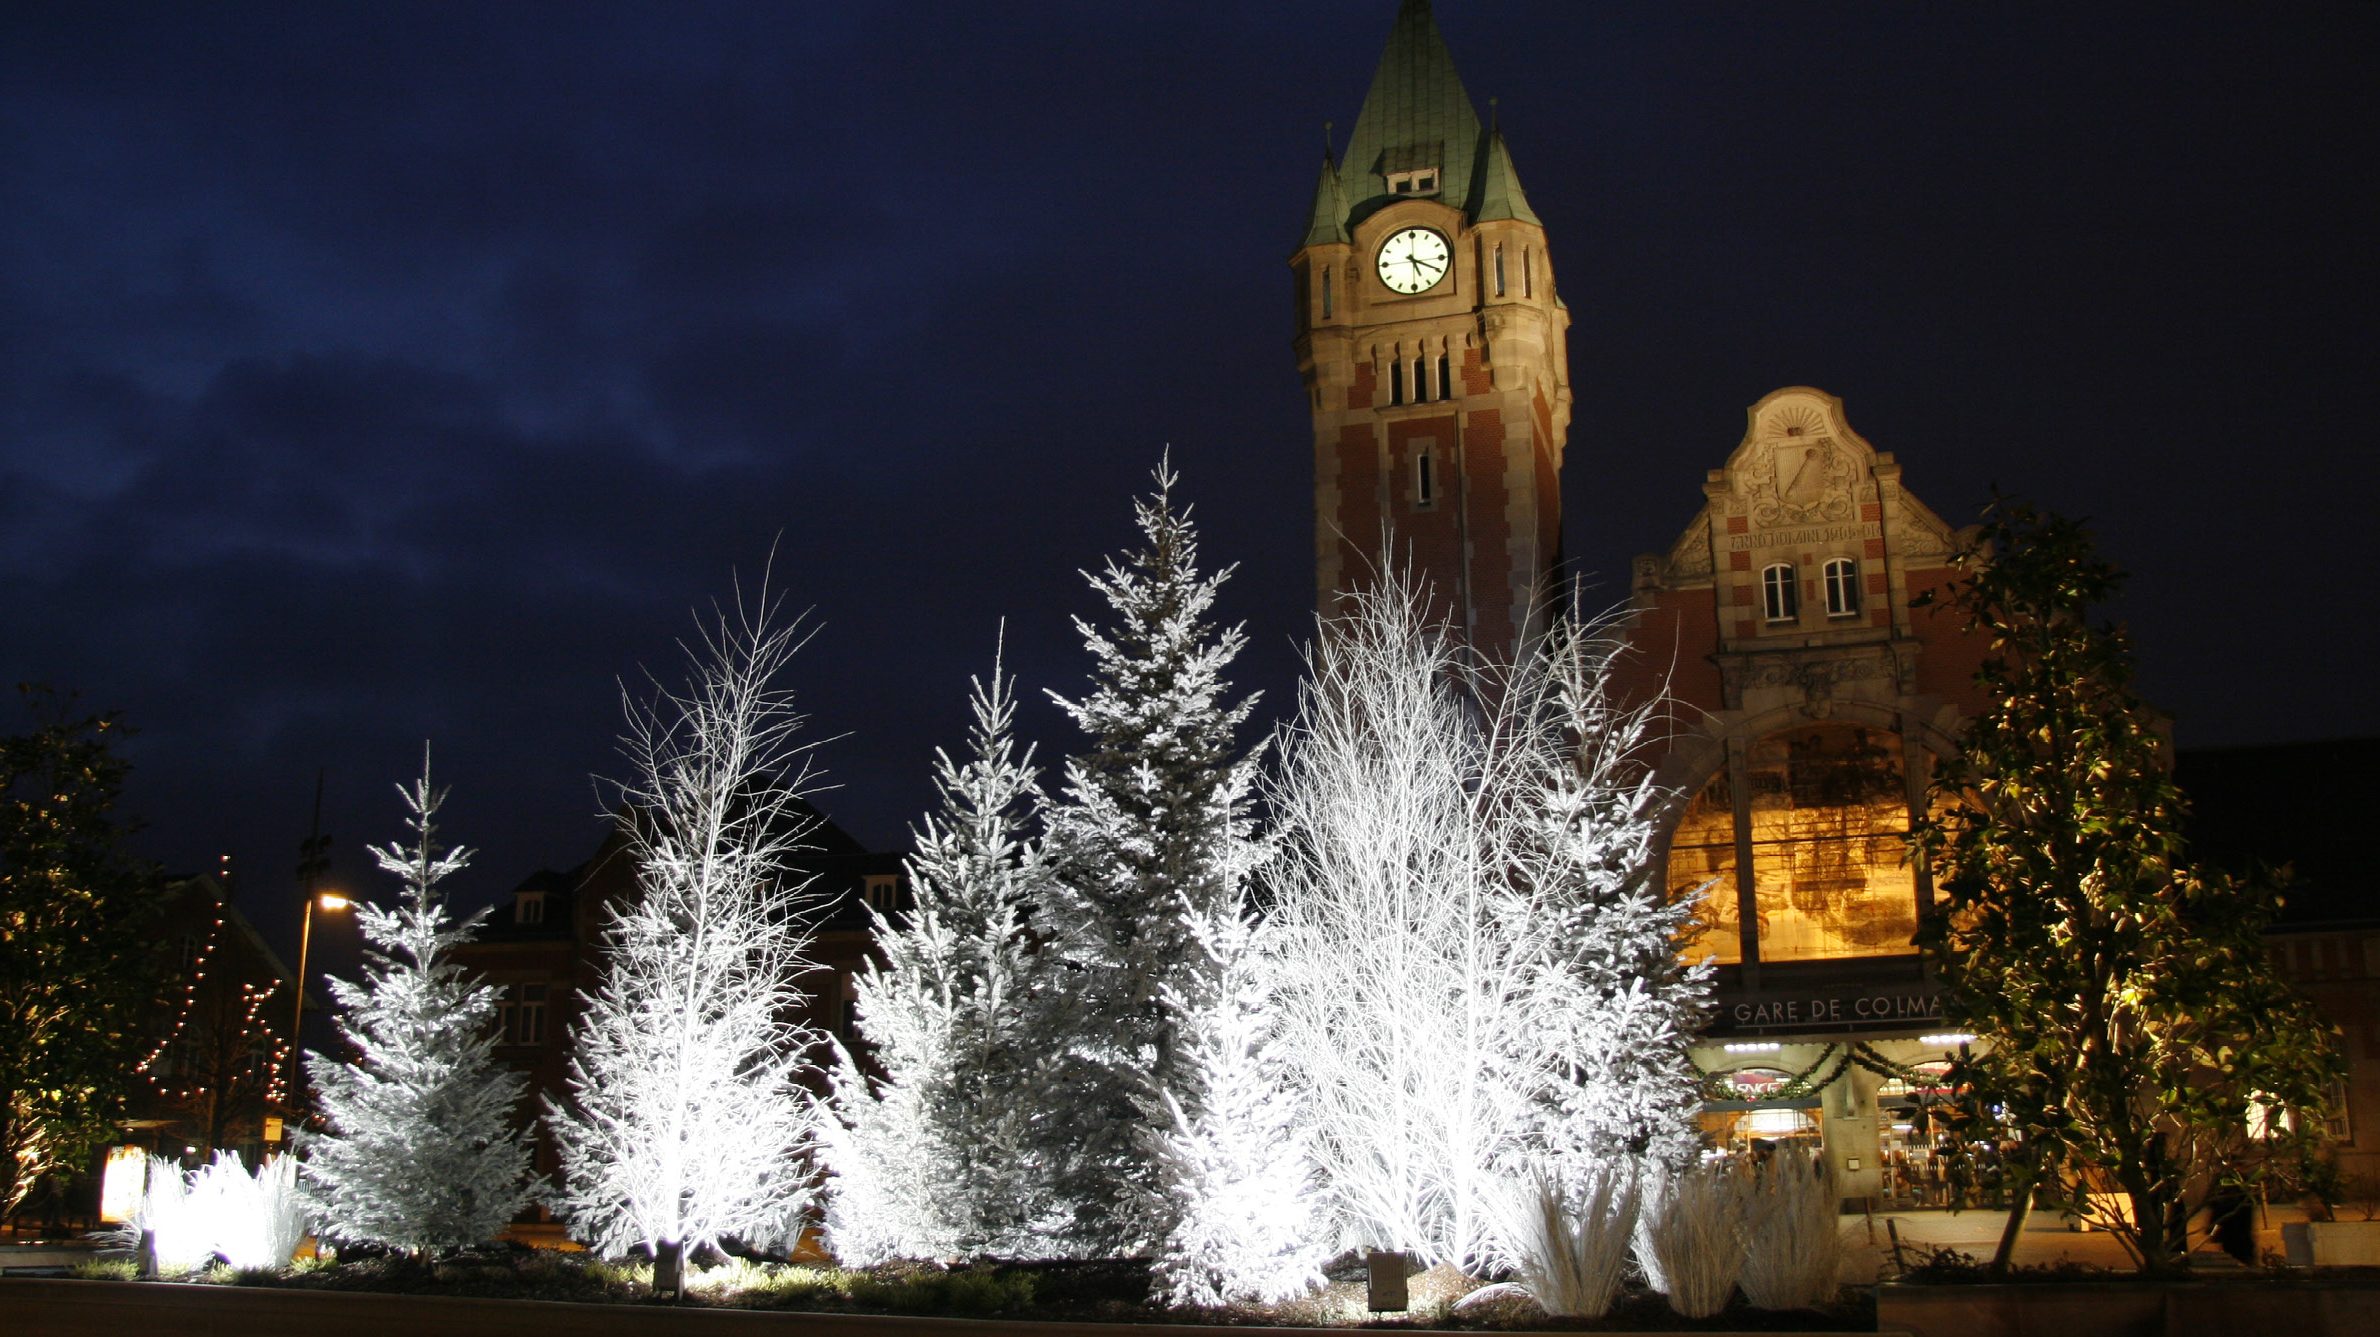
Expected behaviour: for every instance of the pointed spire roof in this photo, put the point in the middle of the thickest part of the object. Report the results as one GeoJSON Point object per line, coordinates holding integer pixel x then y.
{"type": "Point", "coordinates": [1329, 223]}
{"type": "Point", "coordinates": [1416, 115]}
{"type": "Point", "coordinates": [1499, 194]}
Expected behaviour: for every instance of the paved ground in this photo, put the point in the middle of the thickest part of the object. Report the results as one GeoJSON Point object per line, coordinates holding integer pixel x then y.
{"type": "Point", "coordinates": [2047, 1239]}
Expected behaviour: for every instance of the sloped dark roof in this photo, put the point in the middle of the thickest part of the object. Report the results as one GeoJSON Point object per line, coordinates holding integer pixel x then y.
{"type": "Point", "coordinates": [2302, 805]}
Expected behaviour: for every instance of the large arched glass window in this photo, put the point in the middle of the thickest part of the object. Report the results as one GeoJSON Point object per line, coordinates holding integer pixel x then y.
{"type": "Point", "coordinates": [1829, 814]}
{"type": "Point", "coordinates": [1702, 865]}
{"type": "Point", "coordinates": [1826, 814]}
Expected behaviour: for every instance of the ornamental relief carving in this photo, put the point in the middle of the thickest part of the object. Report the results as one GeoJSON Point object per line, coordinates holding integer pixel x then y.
{"type": "Point", "coordinates": [1816, 680]}
{"type": "Point", "coordinates": [1691, 558]}
{"type": "Point", "coordinates": [1798, 474]}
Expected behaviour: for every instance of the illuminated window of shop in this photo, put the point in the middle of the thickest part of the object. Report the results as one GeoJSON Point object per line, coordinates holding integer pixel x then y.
{"type": "Point", "coordinates": [1842, 588]}
{"type": "Point", "coordinates": [1779, 597]}
{"type": "Point", "coordinates": [1702, 866]}
{"type": "Point", "coordinates": [1830, 820]}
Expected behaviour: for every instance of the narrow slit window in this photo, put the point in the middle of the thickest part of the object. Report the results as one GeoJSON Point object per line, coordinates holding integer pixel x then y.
{"type": "Point", "coordinates": [1499, 271]}
{"type": "Point", "coordinates": [1326, 293]}
{"type": "Point", "coordinates": [1425, 479]}
{"type": "Point", "coordinates": [1778, 596]}
{"type": "Point", "coordinates": [1445, 380]}
{"type": "Point", "coordinates": [1842, 588]}
{"type": "Point", "coordinates": [1421, 381]}
{"type": "Point", "coordinates": [1528, 272]}
{"type": "Point", "coordinates": [1396, 381]}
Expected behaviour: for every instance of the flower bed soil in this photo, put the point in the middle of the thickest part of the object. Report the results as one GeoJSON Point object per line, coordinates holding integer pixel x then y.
{"type": "Point", "coordinates": [577, 1294]}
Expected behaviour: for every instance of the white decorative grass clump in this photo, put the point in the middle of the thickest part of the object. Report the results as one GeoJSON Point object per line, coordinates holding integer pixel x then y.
{"type": "Point", "coordinates": [177, 1234]}
{"type": "Point", "coordinates": [1695, 1244]}
{"type": "Point", "coordinates": [1569, 1250]}
{"type": "Point", "coordinates": [1792, 1235]}
{"type": "Point", "coordinates": [251, 1220]}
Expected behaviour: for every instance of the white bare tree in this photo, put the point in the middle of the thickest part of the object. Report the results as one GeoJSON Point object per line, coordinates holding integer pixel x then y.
{"type": "Point", "coordinates": [1405, 955]}
{"type": "Point", "coordinates": [687, 1122]}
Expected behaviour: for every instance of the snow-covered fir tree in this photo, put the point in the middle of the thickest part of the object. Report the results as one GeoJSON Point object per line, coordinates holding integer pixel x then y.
{"type": "Point", "coordinates": [1617, 1003]}
{"type": "Point", "coordinates": [1143, 847]}
{"type": "Point", "coordinates": [417, 1151]}
{"type": "Point", "coordinates": [1406, 948]}
{"type": "Point", "coordinates": [687, 1122]}
{"type": "Point", "coordinates": [1231, 1144]}
{"type": "Point", "coordinates": [929, 1157]}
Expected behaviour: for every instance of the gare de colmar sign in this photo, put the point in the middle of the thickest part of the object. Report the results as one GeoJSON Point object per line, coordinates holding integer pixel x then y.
{"type": "Point", "coordinates": [1846, 1008]}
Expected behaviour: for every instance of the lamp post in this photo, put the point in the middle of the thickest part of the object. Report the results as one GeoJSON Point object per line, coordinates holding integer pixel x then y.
{"type": "Point", "coordinates": [329, 900]}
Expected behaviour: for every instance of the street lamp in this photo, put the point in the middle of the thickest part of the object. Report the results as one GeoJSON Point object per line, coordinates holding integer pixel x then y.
{"type": "Point", "coordinates": [329, 900]}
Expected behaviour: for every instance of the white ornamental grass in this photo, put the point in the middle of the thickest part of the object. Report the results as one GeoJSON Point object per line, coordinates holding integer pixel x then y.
{"type": "Point", "coordinates": [1792, 1235]}
{"type": "Point", "coordinates": [1569, 1250]}
{"type": "Point", "coordinates": [251, 1220]}
{"type": "Point", "coordinates": [1697, 1240]}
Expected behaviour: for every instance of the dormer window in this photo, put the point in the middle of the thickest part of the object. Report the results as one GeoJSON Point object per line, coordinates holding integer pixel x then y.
{"type": "Point", "coordinates": [528, 907]}
{"type": "Point", "coordinates": [1419, 181]}
{"type": "Point", "coordinates": [882, 891]}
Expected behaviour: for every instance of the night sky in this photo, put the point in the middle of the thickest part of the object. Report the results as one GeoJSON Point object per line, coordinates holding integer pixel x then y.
{"type": "Point", "coordinates": [374, 374]}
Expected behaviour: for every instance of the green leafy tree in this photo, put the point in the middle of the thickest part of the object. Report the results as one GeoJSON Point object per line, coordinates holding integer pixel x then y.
{"type": "Point", "coordinates": [76, 969]}
{"type": "Point", "coordinates": [2134, 1034]}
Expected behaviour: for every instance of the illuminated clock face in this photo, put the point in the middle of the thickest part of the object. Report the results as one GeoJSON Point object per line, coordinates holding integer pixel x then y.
{"type": "Point", "coordinates": [1413, 260]}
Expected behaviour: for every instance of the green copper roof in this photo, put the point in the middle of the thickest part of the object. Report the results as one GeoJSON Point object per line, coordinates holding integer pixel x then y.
{"type": "Point", "coordinates": [1417, 115]}
{"type": "Point", "coordinates": [1499, 194]}
{"type": "Point", "coordinates": [1330, 208]}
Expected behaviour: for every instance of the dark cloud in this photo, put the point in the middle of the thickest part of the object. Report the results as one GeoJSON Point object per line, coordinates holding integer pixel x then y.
{"type": "Point", "coordinates": [370, 375]}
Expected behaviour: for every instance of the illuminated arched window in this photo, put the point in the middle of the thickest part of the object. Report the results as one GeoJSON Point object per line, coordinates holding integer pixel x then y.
{"type": "Point", "coordinates": [1829, 816]}
{"type": "Point", "coordinates": [1702, 865]}
{"type": "Point", "coordinates": [1825, 813]}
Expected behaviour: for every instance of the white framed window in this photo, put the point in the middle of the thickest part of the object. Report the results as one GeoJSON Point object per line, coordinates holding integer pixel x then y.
{"type": "Point", "coordinates": [1842, 588]}
{"type": "Point", "coordinates": [529, 1015]}
{"type": "Point", "coordinates": [1780, 597]}
{"type": "Point", "coordinates": [882, 891]}
{"type": "Point", "coordinates": [528, 907]}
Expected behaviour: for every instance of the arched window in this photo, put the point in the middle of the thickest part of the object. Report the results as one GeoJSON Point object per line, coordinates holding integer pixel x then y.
{"type": "Point", "coordinates": [1829, 818]}
{"type": "Point", "coordinates": [1421, 380]}
{"type": "Point", "coordinates": [1396, 381]}
{"type": "Point", "coordinates": [1842, 588]}
{"type": "Point", "coordinates": [1780, 596]}
{"type": "Point", "coordinates": [1445, 377]}
{"type": "Point", "coordinates": [1499, 270]}
{"type": "Point", "coordinates": [1825, 814]}
{"type": "Point", "coordinates": [1702, 866]}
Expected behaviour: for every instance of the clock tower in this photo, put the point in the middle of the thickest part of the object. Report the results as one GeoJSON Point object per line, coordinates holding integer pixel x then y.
{"type": "Point", "coordinates": [1434, 353]}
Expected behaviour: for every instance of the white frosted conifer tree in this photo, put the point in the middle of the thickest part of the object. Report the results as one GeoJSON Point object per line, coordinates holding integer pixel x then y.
{"type": "Point", "coordinates": [687, 1122]}
{"type": "Point", "coordinates": [1147, 843]}
{"type": "Point", "coordinates": [1231, 1143]}
{"type": "Point", "coordinates": [1616, 1003]}
{"type": "Point", "coordinates": [417, 1152]}
{"type": "Point", "coordinates": [928, 1155]}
